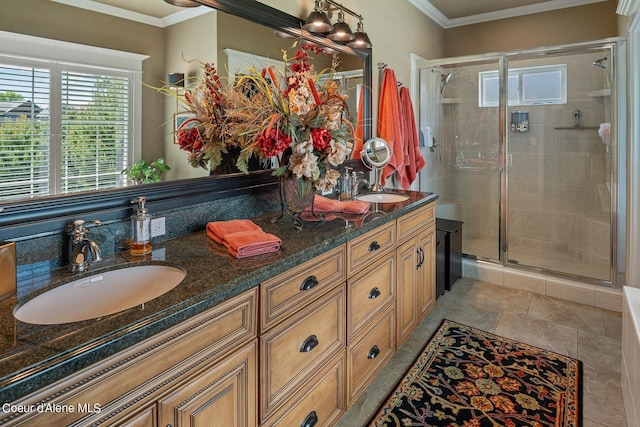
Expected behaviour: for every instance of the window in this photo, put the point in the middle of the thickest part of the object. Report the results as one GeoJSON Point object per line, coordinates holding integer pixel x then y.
{"type": "Point", "coordinates": [526, 86]}
{"type": "Point", "coordinates": [64, 127]}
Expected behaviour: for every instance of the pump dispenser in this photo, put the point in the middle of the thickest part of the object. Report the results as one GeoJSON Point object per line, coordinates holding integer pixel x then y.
{"type": "Point", "coordinates": [345, 185]}
{"type": "Point", "coordinates": [141, 229]}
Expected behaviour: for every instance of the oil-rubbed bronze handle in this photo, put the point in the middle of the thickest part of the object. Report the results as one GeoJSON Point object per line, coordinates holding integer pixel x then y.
{"type": "Point", "coordinates": [374, 352]}
{"type": "Point", "coordinates": [310, 420]}
{"type": "Point", "coordinates": [375, 293]}
{"type": "Point", "coordinates": [374, 246]}
{"type": "Point", "coordinates": [309, 344]}
{"type": "Point", "coordinates": [419, 258]}
{"type": "Point", "coordinates": [309, 283]}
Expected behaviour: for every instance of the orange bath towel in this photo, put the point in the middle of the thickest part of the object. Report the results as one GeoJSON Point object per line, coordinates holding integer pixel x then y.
{"type": "Point", "coordinates": [323, 204]}
{"type": "Point", "coordinates": [389, 126]}
{"type": "Point", "coordinates": [243, 238]}
{"type": "Point", "coordinates": [414, 161]}
{"type": "Point", "coordinates": [359, 134]}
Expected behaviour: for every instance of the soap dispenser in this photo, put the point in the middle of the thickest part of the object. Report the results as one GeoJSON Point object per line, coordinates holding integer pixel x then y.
{"type": "Point", "coordinates": [345, 185]}
{"type": "Point", "coordinates": [141, 229]}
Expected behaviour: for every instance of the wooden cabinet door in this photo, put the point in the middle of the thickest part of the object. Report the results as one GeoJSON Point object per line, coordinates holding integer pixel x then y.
{"type": "Point", "coordinates": [426, 273]}
{"type": "Point", "coordinates": [407, 260]}
{"type": "Point", "coordinates": [221, 395]}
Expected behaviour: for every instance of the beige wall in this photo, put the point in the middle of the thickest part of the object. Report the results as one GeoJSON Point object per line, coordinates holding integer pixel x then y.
{"type": "Point", "coordinates": [576, 24]}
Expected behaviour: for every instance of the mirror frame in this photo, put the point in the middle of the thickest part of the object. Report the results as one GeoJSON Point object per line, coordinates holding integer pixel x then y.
{"type": "Point", "coordinates": [49, 215]}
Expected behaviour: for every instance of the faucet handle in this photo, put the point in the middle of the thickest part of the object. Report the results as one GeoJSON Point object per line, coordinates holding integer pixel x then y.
{"type": "Point", "coordinates": [78, 228]}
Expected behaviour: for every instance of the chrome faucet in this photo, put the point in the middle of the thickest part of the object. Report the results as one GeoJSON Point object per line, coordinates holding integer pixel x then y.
{"type": "Point", "coordinates": [355, 184]}
{"type": "Point", "coordinates": [80, 246]}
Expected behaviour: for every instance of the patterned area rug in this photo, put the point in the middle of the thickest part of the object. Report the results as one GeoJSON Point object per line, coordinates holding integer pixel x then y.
{"type": "Point", "coordinates": [469, 377]}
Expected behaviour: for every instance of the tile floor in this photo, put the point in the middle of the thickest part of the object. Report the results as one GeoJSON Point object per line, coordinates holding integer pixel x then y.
{"type": "Point", "coordinates": [591, 334]}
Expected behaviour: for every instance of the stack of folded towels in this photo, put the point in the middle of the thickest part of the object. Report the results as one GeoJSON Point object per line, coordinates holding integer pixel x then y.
{"type": "Point", "coordinates": [353, 207]}
{"type": "Point", "coordinates": [243, 238]}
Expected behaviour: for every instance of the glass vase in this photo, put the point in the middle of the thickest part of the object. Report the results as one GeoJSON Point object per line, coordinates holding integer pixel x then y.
{"type": "Point", "coordinates": [296, 196]}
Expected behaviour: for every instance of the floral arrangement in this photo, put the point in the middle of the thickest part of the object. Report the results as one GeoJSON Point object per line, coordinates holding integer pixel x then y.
{"type": "Point", "coordinates": [303, 124]}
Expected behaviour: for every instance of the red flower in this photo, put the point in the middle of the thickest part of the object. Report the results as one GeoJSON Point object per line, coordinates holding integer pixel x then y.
{"type": "Point", "coordinates": [272, 142]}
{"type": "Point", "coordinates": [321, 138]}
{"type": "Point", "coordinates": [189, 139]}
{"type": "Point", "coordinates": [301, 55]}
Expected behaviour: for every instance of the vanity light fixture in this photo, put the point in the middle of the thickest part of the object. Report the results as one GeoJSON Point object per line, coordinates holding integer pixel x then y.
{"type": "Point", "coordinates": [184, 3]}
{"type": "Point", "coordinates": [341, 30]}
{"type": "Point", "coordinates": [360, 39]}
{"type": "Point", "coordinates": [319, 21]}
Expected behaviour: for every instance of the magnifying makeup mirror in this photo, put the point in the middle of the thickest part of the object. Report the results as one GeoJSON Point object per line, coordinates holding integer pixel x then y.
{"type": "Point", "coordinates": [375, 155]}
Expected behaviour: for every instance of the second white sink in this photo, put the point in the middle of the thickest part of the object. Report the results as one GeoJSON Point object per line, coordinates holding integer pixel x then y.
{"type": "Point", "coordinates": [100, 294]}
{"type": "Point", "coordinates": [382, 197]}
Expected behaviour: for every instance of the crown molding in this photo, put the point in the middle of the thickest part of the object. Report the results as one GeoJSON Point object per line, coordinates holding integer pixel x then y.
{"type": "Point", "coordinates": [627, 7]}
{"type": "Point", "coordinates": [172, 19]}
{"type": "Point", "coordinates": [428, 9]}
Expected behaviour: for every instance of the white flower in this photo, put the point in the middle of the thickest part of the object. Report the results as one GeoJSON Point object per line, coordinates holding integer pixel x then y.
{"type": "Point", "coordinates": [304, 165]}
{"type": "Point", "coordinates": [330, 180]}
{"type": "Point", "coordinates": [300, 104]}
{"type": "Point", "coordinates": [303, 91]}
{"type": "Point", "coordinates": [303, 147]}
{"type": "Point", "coordinates": [337, 153]}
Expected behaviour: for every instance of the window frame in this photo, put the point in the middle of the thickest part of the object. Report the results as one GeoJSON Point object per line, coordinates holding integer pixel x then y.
{"type": "Point", "coordinates": [59, 56]}
{"type": "Point", "coordinates": [520, 73]}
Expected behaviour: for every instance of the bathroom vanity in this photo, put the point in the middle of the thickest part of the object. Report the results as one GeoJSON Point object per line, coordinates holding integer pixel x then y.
{"type": "Point", "coordinates": [287, 338]}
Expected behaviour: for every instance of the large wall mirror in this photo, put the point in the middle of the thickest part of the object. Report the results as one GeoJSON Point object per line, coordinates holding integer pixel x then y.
{"type": "Point", "coordinates": [172, 40]}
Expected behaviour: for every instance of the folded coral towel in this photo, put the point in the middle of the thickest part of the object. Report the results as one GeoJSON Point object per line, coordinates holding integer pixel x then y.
{"type": "Point", "coordinates": [356, 207]}
{"type": "Point", "coordinates": [243, 238]}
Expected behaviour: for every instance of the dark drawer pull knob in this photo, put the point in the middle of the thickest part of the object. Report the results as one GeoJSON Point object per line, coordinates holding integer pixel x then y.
{"type": "Point", "coordinates": [309, 344]}
{"type": "Point", "coordinates": [309, 283]}
{"type": "Point", "coordinates": [375, 293]}
{"type": "Point", "coordinates": [374, 246]}
{"type": "Point", "coordinates": [310, 420]}
{"type": "Point", "coordinates": [374, 352]}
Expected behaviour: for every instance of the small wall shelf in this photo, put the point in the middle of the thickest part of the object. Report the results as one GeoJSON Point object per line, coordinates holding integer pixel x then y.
{"type": "Point", "coordinates": [599, 93]}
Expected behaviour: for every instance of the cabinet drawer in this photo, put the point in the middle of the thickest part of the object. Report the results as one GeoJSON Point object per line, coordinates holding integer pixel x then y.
{"type": "Point", "coordinates": [368, 292]}
{"type": "Point", "coordinates": [320, 399]}
{"type": "Point", "coordinates": [290, 291]}
{"type": "Point", "coordinates": [295, 349]}
{"type": "Point", "coordinates": [369, 353]}
{"type": "Point", "coordinates": [410, 223]}
{"type": "Point", "coordinates": [371, 245]}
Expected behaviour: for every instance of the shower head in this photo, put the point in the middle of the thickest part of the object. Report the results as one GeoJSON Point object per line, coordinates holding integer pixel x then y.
{"type": "Point", "coordinates": [602, 62]}
{"type": "Point", "coordinates": [444, 80]}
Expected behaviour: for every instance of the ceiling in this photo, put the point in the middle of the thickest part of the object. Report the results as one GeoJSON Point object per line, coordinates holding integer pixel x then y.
{"type": "Point", "coordinates": [447, 13]}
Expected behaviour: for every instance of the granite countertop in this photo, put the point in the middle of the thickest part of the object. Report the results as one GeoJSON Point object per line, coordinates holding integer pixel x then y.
{"type": "Point", "coordinates": [33, 356]}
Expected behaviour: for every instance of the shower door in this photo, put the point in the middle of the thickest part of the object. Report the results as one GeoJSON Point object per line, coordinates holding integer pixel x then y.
{"type": "Point", "coordinates": [559, 162]}
{"type": "Point", "coordinates": [463, 165]}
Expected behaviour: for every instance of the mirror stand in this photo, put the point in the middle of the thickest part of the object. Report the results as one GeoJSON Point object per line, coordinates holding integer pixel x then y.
{"type": "Point", "coordinates": [375, 155]}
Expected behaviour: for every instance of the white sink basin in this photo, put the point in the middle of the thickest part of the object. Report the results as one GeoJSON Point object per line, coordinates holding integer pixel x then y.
{"type": "Point", "coordinates": [383, 197]}
{"type": "Point", "coordinates": [100, 294]}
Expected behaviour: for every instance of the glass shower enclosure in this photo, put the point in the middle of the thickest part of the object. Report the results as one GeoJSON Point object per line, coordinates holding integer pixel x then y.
{"type": "Point", "coordinates": [523, 149]}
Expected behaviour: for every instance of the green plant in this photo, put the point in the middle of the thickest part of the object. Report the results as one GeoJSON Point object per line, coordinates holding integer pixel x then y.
{"type": "Point", "coordinates": [145, 173]}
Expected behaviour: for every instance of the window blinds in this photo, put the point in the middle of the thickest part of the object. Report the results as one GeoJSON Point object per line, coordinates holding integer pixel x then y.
{"type": "Point", "coordinates": [62, 128]}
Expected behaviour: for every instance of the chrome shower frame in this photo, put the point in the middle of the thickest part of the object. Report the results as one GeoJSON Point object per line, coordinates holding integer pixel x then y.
{"type": "Point", "coordinates": [611, 62]}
